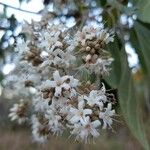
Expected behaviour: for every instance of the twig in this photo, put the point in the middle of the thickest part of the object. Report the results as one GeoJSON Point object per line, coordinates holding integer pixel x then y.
{"type": "Point", "coordinates": [3, 28]}
{"type": "Point", "coordinates": [19, 9]}
{"type": "Point", "coordinates": [75, 14]}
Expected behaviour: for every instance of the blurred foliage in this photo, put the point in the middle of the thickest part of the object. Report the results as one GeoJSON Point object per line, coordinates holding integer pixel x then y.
{"type": "Point", "coordinates": [122, 77]}
{"type": "Point", "coordinates": [143, 10]}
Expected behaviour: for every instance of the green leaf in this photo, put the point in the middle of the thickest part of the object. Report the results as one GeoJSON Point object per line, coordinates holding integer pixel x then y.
{"type": "Point", "coordinates": [1, 76]}
{"type": "Point", "coordinates": [114, 78]}
{"type": "Point", "coordinates": [143, 11]}
{"type": "Point", "coordinates": [130, 105]}
{"type": "Point", "coordinates": [140, 39]}
{"type": "Point", "coordinates": [101, 2]}
{"type": "Point", "coordinates": [121, 78]}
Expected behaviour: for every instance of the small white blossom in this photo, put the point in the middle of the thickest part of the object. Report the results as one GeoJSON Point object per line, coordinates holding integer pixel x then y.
{"type": "Point", "coordinates": [40, 104]}
{"type": "Point", "coordinates": [37, 128]}
{"type": "Point", "coordinates": [97, 97]}
{"type": "Point", "coordinates": [105, 36]}
{"type": "Point", "coordinates": [22, 47]}
{"type": "Point", "coordinates": [49, 41]}
{"type": "Point", "coordinates": [101, 66]}
{"type": "Point", "coordinates": [62, 58]}
{"type": "Point", "coordinates": [86, 129]}
{"type": "Point", "coordinates": [54, 121]}
{"type": "Point", "coordinates": [85, 34]}
{"type": "Point", "coordinates": [58, 83]}
{"type": "Point", "coordinates": [80, 113]}
{"type": "Point", "coordinates": [19, 112]}
{"type": "Point", "coordinates": [106, 116]}
{"type": "Point", "coordinates": [88, 33]}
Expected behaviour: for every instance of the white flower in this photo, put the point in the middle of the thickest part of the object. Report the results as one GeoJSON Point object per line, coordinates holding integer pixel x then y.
{"type": "Point", "coordinates": [60, 105]}
{"type": "Point", "coordinates": [22, 47]}
{"type": "Point", "coordinates": [96, 97]}
{"type": "Point", "coordinates": [87, 33]}
{"type": "Point", "coordinates": [73, 82]}
{"type": "Point", "coordinates": [62, 58]}
{"type": "Point", "coordinates": [49, 41]}
{"type": "Point", "coordinates": [106, 116]}
{"type": "Point", "coordinates": [40, 104]}
{"type": "Point", "coordinates": [37, 128]}
{"type": "Point", "coordinates": [57, 57]}
{"type": "Point", "coordinates": [86, 129]}
{"type": "Point", "coordinates": [58, 83]}
{"type": "Point", "coordinates": [101, 66]}
{"type": "Point", "coordinates": [18, 112]}
{"type": "Point", "coordinates": [105, 36]}
{"type": "Point", "coordinates": [73, 93]}
{"type": "Point", "coordinates": [68, 59]}
{"type": "Point", "coordinates": [54, 121]}
{"type": "Point", "coordinates": [50, 37]}
{"type": "Point", "coordinates": [80, 113]}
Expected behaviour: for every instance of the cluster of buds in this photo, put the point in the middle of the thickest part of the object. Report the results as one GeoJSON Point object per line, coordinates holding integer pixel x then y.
{"type": "Point", "coordinates": [91, 42]}
{"type": "Point", "coordinates": [33, 56]}
{"type": "Point", "coordinates": [48, 65]}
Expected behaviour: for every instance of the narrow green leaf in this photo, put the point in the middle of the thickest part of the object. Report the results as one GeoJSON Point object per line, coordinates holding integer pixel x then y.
{"type": "Point", "coordinates": [140, 39]}
{"type": "Point", "coordinates": [143, 11]}
{"type": "Point", "coordinates": [129, 104]}
{"type": "Point", "coordinates": [114, 78]}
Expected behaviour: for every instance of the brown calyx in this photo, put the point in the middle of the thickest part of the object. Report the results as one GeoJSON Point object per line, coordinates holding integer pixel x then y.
{"type": "Point", "coordinates": [47, 93]}
{"type": "Point", "coordinates": [33, 56]}
{"type": "Point", "coordinates": [28, 83]}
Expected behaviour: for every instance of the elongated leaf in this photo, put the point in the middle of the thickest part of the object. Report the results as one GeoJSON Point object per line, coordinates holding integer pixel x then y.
{"type": "Point", "coordinates": [114, 78]}
{"type": "Point", "coordinates": [143, 11]}
{"type": "Point", "coordinates": [140, 41]}
{"type": "Point", "coordinates": [129, 104]}
{"type": "Point", "coordinates": [121, 78]}
{"type": "Point", "coordinates": [140, 38]}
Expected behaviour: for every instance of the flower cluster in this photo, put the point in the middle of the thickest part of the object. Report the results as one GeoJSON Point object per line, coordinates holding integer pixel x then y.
{"type": "Point", "coordinates": [90, 42]}
{"type": "Point", "coordinates": [49, 72]}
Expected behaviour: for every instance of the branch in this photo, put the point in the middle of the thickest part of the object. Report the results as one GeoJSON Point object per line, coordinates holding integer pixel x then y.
{"type": "Point", "coordinates": [3, 28]}
{"type": "Point", "coordinates": [16, 8]}
{"type": "Point", "coordinates": [75, 14]}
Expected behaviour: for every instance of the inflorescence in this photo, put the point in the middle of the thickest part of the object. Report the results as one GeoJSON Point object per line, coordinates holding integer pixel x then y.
{"type": "Point", "coordinates": [58, 77]}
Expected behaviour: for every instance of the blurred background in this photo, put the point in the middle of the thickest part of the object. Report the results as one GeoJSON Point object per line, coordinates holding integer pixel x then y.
{"type": "Point", "coordinates": [130, 20]}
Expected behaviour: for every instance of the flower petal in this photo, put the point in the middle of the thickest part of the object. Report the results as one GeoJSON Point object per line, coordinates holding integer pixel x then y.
{"type": "Point", "coordinates": [56, 76]}
{"type": "Point", "coordinates": [96, 123]}
{"type": "Point", "coordinates": [65, 86]}
{"type": "Point", "coordinates": [75, 119]}
{"type": "Point", "coordinates": [58, 91]}
{"type": "Point", "coordinates": [87, 111]}
{"type": "Point", "coordinates": [80, 104]}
